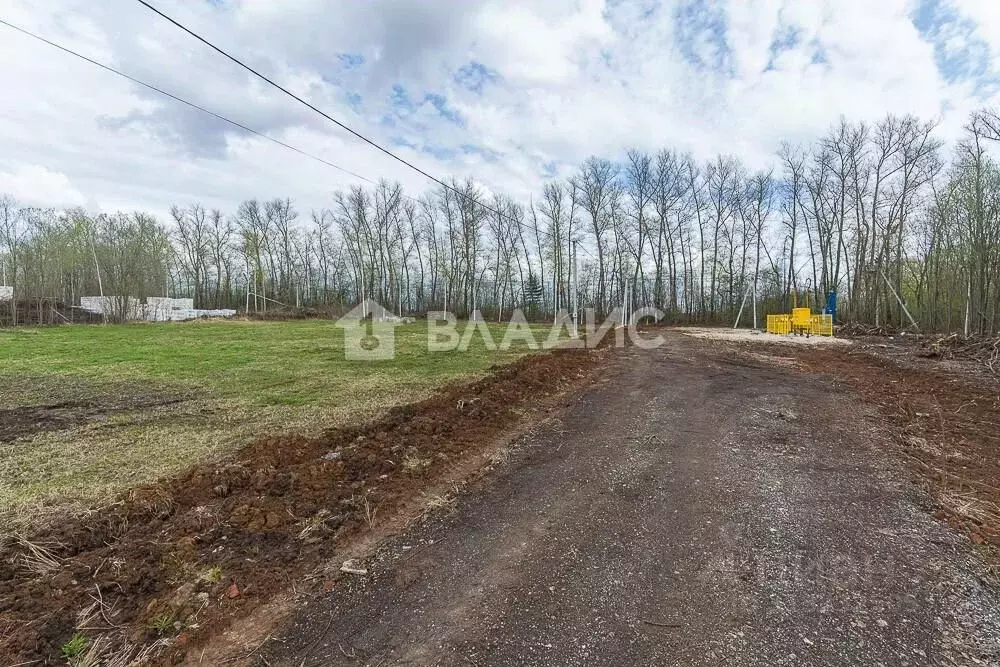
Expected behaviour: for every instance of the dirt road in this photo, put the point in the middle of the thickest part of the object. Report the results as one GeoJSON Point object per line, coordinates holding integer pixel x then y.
{"type": "Point", "coordinates": [697, 507]}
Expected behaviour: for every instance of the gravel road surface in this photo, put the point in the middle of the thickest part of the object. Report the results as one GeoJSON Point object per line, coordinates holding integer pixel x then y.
{"type": "Point", "coordinates": [696, 507]}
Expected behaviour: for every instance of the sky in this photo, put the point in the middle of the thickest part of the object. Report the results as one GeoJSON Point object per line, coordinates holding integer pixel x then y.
{"type": "Point", "coordinates": [511, 93]}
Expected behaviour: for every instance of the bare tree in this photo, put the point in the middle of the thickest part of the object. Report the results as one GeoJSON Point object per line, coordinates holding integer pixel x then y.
{"type": "Point", "coordinates": [597, 187]}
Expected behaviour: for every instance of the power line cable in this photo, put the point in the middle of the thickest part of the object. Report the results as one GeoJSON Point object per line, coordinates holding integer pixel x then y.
{"type": "Point", "coordinates": [252, 131]}
{"type": "Point", "coordinates": [192, 104]}
{"type": "Point", "coordinates": [325, 115]}
{"type": "Point", "coordinates": [150, 86]}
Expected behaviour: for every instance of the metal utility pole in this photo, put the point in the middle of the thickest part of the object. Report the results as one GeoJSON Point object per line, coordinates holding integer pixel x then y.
{"type": "Point", "coordinates": [576, 296]}
{"type": "Point", "coordinates": [555, 300]}
{"type": "Point", "coordinates": [622, 323]}
{"type": "Point", "coordinates": [968, 304]}
{"type": "Point", "coordinates": [100, 283]}
{"type": "Point", "coordinates": [629, 289]}
{"type": "Point", "coordinates": [364, 302]}
{"type": "Point", "coordinates": [627, 293]}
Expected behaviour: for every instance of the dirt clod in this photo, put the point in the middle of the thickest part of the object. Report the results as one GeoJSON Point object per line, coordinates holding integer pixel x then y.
{"type": "Point", "coordinates": [233, 591]}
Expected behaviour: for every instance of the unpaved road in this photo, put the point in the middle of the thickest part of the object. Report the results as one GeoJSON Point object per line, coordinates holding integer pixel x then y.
{"type": "Point", "coordinates": [695, 508]}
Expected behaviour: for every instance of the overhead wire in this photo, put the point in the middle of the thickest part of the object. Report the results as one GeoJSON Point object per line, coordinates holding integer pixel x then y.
{"type": "Point", "coordinates": [322, 113]}
{"type": "Point", "coordinates": [339, 123]}
{"type": "Point", "coordinates": [262, 135]}
{"type": "Point", "coordinates": [176, 98]}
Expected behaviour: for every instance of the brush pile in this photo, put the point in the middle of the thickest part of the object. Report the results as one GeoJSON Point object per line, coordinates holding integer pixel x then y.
{"type": "Point", "coordinates": [984, 349]}
{"type": "Point", "coordinates": [862, 330]}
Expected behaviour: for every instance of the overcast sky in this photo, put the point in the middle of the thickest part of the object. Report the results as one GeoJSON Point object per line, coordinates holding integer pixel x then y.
{"type": "Point", "coordinates": [510, 92]}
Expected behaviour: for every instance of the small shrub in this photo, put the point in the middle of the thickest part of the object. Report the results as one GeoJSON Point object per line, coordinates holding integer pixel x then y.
{"type": "Point", "coordinates": [75, 647]}
{"type": "Point", "coordinates": [162, 623]}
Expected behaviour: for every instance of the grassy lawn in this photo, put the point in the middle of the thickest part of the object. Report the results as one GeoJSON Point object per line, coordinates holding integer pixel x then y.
{"type": "Point", "coordinates": [139, 401]}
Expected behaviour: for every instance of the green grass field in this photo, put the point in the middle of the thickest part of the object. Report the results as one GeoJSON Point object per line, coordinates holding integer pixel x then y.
{"type": "Point", "coordinates": [140, 401]}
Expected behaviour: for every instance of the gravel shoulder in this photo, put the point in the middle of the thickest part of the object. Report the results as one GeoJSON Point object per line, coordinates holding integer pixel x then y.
{"type": "Point", "coordinates": [696, 507]}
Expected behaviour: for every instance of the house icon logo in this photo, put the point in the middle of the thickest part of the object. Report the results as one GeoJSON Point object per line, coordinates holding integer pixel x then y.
{"type": "Point", "coordinates": [369, 332]}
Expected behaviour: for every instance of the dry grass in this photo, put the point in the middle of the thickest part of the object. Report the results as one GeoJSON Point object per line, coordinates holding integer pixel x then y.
{"type": "Point", "coordinates": [36, 558]}
{"type": "Point", "coordinates": [440, 502]}
{"type": "Point", "coordinates": [314, 525]}
{"type": "Point", "coordinates": [93, 656]}
{"type": "Point", "coordinates": [501, 456]}
{"type": "Point", "coordinates": [115, 650]}
{"type": "Point", "coordinates": [370, 511]}
{"type": "Point", "coordinates": [969, 506]}
{"type": "Point", "coordinates": [412, 461]}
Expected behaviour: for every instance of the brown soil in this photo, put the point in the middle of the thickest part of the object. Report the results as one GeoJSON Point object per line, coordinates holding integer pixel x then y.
{"type": "Point", "coordinates": [28, 420]}
{"type": "Point", "coordinates": [149, 565]}
{"type": "Point", "coordinates": [18, 422]}
{"type": "Point", "coordinates": [946, 418]}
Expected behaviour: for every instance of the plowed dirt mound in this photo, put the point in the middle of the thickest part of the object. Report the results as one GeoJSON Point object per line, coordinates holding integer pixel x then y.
{"type": "Point", "coordinates": [175, 562]}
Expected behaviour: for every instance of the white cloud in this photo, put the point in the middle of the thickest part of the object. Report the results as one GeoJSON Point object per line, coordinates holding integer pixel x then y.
{"type": "Point", "coordinates": [35, 185]}
{"type": "Point", "coordinates": [540, 44]}
{"type": "Point", "coordinates": [985, 16]}
{"type": "Point", "coordinates": [561, 80]}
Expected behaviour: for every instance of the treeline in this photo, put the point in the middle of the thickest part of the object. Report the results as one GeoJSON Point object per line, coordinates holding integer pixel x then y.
{"type": "Point", "coordinates": [883, 214]}
{"type": "Point", "coordinates": [61, 256]}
